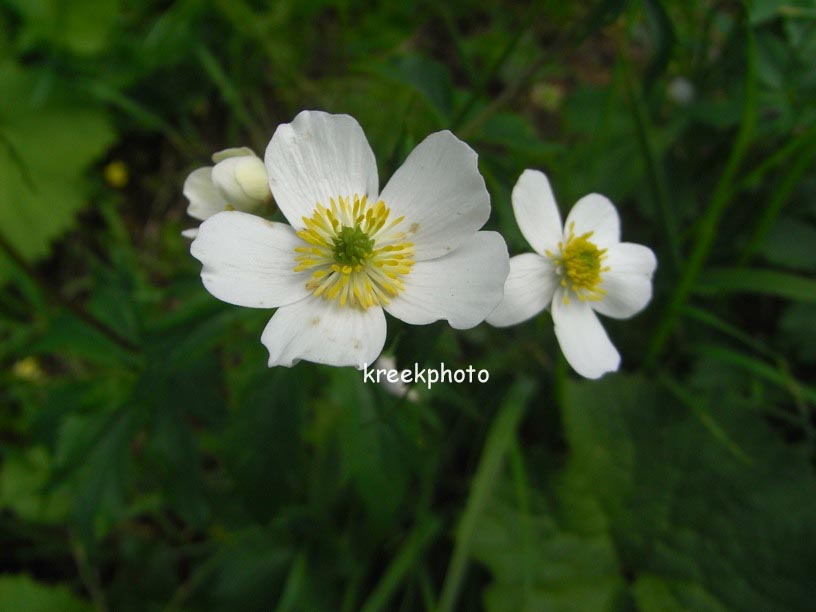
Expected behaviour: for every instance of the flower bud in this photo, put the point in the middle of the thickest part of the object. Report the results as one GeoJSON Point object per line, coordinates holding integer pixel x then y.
{"type": "Point", "coordinates": [243, 182]}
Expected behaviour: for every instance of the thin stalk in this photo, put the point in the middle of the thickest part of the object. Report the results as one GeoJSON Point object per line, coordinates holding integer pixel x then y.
{"type": "Point", "coordinates": [503, 98]}
{"type": "Point", "coordinates": [657, 179]}
{"type": "Point", "coordinates": [57, 298]}
{"type": "Point", "coordinates": [490, 73]}
{"type": "Point", "coordinates": [499, 441]}
{"type": "Point", "coordinates": [723, 195]}
{"type": "Point", "coordinates": [777, 158]}
{"type": "Point", "coordinates": [776, 203]}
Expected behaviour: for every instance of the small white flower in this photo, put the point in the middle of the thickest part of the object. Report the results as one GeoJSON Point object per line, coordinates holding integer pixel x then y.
{"type": "Point", "coordinates": [398, 388]}
{"type": "Point", "coordinates": [237, 181]}
{"type": "Point", "coordinates": [352, 252]}
{"type": "Point", "coordinates": [579, 269]}
{"type": "Point", "coordinates": [681, 91]}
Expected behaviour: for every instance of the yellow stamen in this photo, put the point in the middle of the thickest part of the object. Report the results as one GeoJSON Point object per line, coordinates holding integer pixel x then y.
{"type": "Point", "coordinates": [580, 264]}
{"type": "Point", "coordinates": [357, 255]}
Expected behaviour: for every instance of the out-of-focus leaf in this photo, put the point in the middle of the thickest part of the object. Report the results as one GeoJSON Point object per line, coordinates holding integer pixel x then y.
{"type": "Point", "coordinates": [750, 280]}
{"type": "Point", "coordinates": [81, 26]}
{"type": "Point", "coordinates": [23, 477]}
{"type": "Point", "coordinates": [798, 330]}
{"type": "Point", "coordinates": [262, 445]}
{"type": "Point", "coordinates": [656, 594]}
{"type": "Point", "coordinates": [22, 594]}
{"type": "Point", "coordinates": [247, 573]}
{"type": "Point", "coordinates": [791, 243]}
{"type": "Point", "coordinates": [564, 570]}
{"type": "Point", "coordinates": [759, 369]}
{"type": "Point", "coordinates": [93, 455]}
{"type": "Point", "coordinates": [46, 145]}
{"type": "Point", "coordinates": [650, 495]}
{"type": "Point", "coordinates": [428, 77]}
{"type": "Point", "coordinates": [500, 438]}
{"type": "Point", "coordinates": [672, 494]}
{"type": "Point", "coordinates": [372, 454]}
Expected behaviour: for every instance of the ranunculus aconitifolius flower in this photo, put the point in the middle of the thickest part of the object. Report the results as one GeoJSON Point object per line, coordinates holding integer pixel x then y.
{"type": "Point", "coordinates": [237, 181]}
{"type": "Point", "coordinates": [578, 269]}
{"type": "Point", "coordinates": [353, 252]}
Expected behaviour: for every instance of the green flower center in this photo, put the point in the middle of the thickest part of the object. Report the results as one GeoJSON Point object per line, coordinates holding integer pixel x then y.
{"type": "Point", "coordinates": [351, 246]}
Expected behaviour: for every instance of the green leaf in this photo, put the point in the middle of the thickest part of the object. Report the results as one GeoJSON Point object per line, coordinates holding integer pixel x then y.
{"type": "Point", "coordinates": [428, 77]}
{"type": "Point", "coordinates": [499, 439]}
{"type": "Point", "coordinates": [650, 507]}
{"type": "Point", "coordinates": [791, 243]}
{"type": "Point", "coordinates": [93, 452]}
{"type": "Point", "coordinates": [46, 145]}
{"type": "Point", "coordinates": [372, 455]}
{"type": "Point", "coordinates": [81, 26]}
{"type": "Point", "coordinates": [569, 569]}
{"type": "Point", "coordinates": [22, 594]}
{"type": "Point", "coordinates": [23, 477]}
{"type": "Point", "coordinates": [751, 280]}
{"type": "Point", "coordinates": [798, 331]}
{"type": "Point", "coordinates": [656, 594]}
{"type": "Point", "coordinates": [672, 494]}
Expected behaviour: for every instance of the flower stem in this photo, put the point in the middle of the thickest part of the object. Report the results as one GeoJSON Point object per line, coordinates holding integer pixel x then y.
{"type": "Point", "coordinates": [57, 298]}
{"type": "Point", "coordinates": [723, 195]}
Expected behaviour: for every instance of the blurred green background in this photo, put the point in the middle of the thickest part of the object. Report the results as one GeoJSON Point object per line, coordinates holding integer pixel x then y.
{"type": "Point", "coordinates": [149, 460]}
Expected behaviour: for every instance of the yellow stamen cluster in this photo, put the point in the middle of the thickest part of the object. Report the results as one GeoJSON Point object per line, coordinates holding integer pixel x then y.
{"type": "Point", "coordinates": [579, 263]}
{"type": "Point", "coordinates": [358, 256]}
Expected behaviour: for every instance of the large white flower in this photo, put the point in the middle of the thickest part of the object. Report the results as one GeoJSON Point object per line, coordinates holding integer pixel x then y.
{"type": "Point", "coordinates": [413, 250]}
{"type": "Point", "coordinates": [579, 269]}
{"type": "Point", "coordinates": [238, 181]}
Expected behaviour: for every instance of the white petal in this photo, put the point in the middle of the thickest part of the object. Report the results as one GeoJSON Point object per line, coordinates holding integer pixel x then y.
{"type": "Point", "coordinates": [628, 284]}
{"type": "Point", "coordinates": [321, 331]}
{"type": "Point", "coordinates": [205, 200]}
{"type": "Point", "coordinates": [595, 213]}
{"type": "Point", "coordinates": [243, 182]}
{"type": "Point", "coordinates": [190, 233]}
{"type": "Point", "coordinates": [582, 338]}
{"type": "Point", "coordinates": [536, 211]}
{"type": "Point", "coordinates": [463, 286]}
{"type": "Point", "coordinates": [317, 157]}
{"type": "Point", "coordinates": [219, 156]}
{"type": "Point", "coordinates": [441, 194]}
{"type": "Point", "coordinates": [528, 290]}
{"type": "Point", "coordinates": [249, 261]}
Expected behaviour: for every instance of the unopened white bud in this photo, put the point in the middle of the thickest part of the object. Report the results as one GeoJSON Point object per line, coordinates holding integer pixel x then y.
{"type": "Point", "coordinates": [243, 182]}
{"type": "Point", "coordinates": [681, 91]}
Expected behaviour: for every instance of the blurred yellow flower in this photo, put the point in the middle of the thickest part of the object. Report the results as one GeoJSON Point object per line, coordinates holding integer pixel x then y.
{"type": "Point", "coordinates": [116, 174]}
{"type": "Point", "coordinates": [28, 369]}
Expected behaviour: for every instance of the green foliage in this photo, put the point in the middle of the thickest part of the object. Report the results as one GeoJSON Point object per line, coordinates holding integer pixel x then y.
{"type": "Point", "coordinates": [47, 141]}
{"type": "Point", "coordinates": [149, 458]}
{"type": "Point", "coordinates": [650, 508]}
{"type": "Point", "coordinates": [25, 595]}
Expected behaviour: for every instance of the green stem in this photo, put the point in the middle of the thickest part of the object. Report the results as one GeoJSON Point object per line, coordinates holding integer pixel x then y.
{"type": "Point", "coordinates": [781, 195]}
{"type": "Point", "coordinates": [723, 195]}
{"type": "Point", "coordinates": [657, 180]}
{"type": "Point", "coordinates": [59, 300]}
{"type": "Point", "coordinates": [499, 441]}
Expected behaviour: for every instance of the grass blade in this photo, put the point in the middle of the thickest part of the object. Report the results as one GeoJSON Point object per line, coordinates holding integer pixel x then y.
{"type": "Point", "coordinates": [752, 280]}
{"type": "Point", "coordinates": [723, 195]}
{"type": "Point", "coordinates": [405, 560]}
{"type": "Point", "coordinates": [499, 440]}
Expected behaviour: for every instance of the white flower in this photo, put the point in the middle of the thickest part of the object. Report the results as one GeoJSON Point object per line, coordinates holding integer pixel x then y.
{"type": "Point", "coordinates": [351, 252]}
{"type": "Point", "coordinates": [579, 270]}
{"type": "Point", "coordinates": [398, 388]}
{"type": "Point", "coordinates": [681, 91]}
{"type": "Point", "coordinates": [238, 181]}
